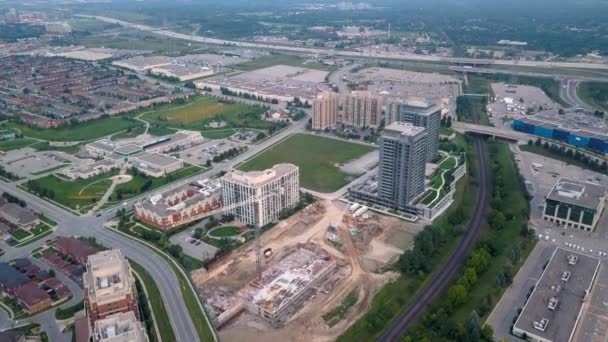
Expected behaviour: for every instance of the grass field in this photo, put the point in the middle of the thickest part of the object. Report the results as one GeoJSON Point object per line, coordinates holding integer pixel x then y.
{"type": "Point", "coordinates": [90, 130]}
{"type": "Point", "coordinates": [225, 231]}
{"type": "Point", "coordinates": [316, 156]}
{"type": "Point", "coordinates": [200, 110]}
{"type": "Point", "coordinates": [218, 134]}
{"type": "Point", "coordinates": [74, 194]}
{"type": "Point", "coordinates": [16, 144]}
{"type": "Point", "coordinates": [158, 307]}
{"type": "Point", "coordinates": [132, 188]}
{"type": "Point", "coordinates": [594, 94]}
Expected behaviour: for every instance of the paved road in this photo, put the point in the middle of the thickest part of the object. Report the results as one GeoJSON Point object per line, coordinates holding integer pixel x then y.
{"type": "Point", "coordinates": [443, 277]}
{"type": "Point", "coordinates": [357, 54]}
{"type": "Point", "coordinates": [159, 269]}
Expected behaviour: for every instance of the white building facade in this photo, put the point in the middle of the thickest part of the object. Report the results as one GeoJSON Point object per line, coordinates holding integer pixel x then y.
{"type": "Point", "coordinates": [257, 198]}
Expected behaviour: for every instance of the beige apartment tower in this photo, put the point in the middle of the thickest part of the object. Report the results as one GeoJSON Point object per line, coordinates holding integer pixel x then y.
{"type": "Point", "coordinates": [362, 109]}
{"type": "Point", "coordinates": [257, 198]}
{"type": "Point", "coordinates": [324, 110]}
{"type": "Point", "coordinates": [108, 285]}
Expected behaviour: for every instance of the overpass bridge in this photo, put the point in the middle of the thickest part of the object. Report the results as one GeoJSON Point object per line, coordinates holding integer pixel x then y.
{"type": "Point", "coordinates": [491, 131]}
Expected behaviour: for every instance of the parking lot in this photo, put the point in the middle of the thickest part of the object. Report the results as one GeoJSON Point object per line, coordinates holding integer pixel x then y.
{"type": "Point", "coordinates": [198, 155]}
{"type": "Point", "coordinates": [28, 162]}
{"type": "Point", "coordinates": [192, 247]}
{"type": "Point", "coordinates": [514, 100]}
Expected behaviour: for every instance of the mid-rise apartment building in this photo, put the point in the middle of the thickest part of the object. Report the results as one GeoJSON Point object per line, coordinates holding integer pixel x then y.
{"type": "Point", "coordinates": [362, 109]}
{"type": "Point", "coordinates": [325, 110]}
{"type": "Point", "coordinates": [420, 113]}
{"type": "Point", "coordinates": [108, 285]}
{"type": "Point", "coordinates": [257, 198]}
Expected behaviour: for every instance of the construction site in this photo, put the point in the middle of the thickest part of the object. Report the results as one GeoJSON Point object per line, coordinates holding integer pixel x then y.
{"type": "Point", "coordinates": [310, 264]}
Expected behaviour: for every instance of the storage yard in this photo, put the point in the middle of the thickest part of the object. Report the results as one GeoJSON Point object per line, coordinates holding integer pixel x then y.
{"type": "Point", "coordinates": [311, 262]}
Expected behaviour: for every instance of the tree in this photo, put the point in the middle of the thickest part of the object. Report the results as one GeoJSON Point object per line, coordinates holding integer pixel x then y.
{"type": "Point", "coordinates": [198, 233]}
{"type": "Point", "coordinates": [52, 273]}
{"type": "Point", "coordinates": [175, 251]}
{"type": "Point", "coordinates": [498, 220]}
{"type": "Point", "coordinates": [457, 295]}
{"type": "Point", "coordinates": [474, 327]}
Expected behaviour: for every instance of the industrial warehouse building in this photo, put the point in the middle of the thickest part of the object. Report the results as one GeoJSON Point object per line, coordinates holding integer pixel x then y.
{"type": "Point", "coordinates": [553, 311]}
{"type": "Point", "coordinates": [575, 204]}
{"type": "Point", "coordinates": [588, 134]}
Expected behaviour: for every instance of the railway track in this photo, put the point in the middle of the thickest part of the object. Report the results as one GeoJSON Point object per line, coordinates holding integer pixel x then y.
{"type": "Point", "coordinates": [442, 279]}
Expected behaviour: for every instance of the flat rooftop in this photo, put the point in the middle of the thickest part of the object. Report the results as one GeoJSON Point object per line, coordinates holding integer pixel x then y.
{"type": "Point", "coordinates": [403, 128]}
{"type": "Point", "coordinates": [257, 178]}
{"type": "Point", "coordinates": [575, 192]}
{"type": "Point", "coordinates": [578, 122]}
{"type": "Point", "coordinates": [155, 159]}
{"type": "Point", "coordinates": [163, 204]}
{"type": "Point", "coordinates": [559, 323]}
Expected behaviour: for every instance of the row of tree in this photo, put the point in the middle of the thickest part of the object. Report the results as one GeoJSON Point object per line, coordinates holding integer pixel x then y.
{"type": "Point", "coordinates": [592, 163]}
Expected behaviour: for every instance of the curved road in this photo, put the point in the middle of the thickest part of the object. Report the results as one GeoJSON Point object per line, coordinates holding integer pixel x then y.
{"type": "Point", "coordinates": [443, 277]}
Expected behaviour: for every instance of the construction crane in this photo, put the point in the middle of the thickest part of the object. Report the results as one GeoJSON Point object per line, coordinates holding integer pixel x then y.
{"type": "Point", "coordinates": [258, 244]}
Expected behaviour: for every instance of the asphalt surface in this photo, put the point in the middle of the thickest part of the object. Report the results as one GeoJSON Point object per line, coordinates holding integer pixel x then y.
{"type": "Point", "coordinates": [159, 269]}
{"type": "Point", "coordinates": [442, 278]}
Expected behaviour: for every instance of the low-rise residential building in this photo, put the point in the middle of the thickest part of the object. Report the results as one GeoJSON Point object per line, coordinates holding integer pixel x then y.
{"type": "Point", "coordinates": [75, 248]}
{"type": "Point", "coordinates": [108, 285]}
{"type": "Point", "coordinates": [11, 279]}
{"type": "Point", "coordinates": [180, 206]}
{"type": "Point", "coordinates": [575, 204]}
{"type": "Point", "coordinates": [120, 327]}
{"type": "Point", "coordinates": [257, 198]}
{"type": "Point", "coordinates": [32, 298]}
{"type": "Point", "coordinates": [19, 216]}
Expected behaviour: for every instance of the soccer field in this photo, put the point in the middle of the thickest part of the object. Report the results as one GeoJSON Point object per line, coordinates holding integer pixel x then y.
{"type": "Point", "coordinates": [317, 157]}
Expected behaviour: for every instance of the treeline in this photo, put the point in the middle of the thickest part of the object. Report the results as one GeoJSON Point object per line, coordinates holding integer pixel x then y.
{"type": "Point", "coordinates": [489, 269]}
{"type": "Point", "coordinates": [228, 92]}
{"type": "Point", "coordinates": [574, 155]}
{"type": "Point", "coordinates": [12, 32]}
{"type": "Point", "coordinates": [8, 175]}
{"type": "Point", "coordinates": [42, 191]}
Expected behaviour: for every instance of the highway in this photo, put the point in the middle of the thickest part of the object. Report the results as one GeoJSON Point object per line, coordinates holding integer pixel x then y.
{"type": "Point", "coordinates": [314, 51]}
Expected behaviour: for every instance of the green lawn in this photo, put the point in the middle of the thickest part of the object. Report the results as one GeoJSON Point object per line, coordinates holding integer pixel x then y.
{"type": "Point", "coordinates": [200, 110]}
{"type": "Point", "coordinates": [132, 188]}
{"type": "Point", "coordinates": [74, 194]}
{"type": "Point", "coordinates": [225, 231]}
{"type": "Point", "coordinates": [158, 307]}
{"type": "Point", "coordinates": [316, 156]}
{"type": "Point", "coordinates": [218, 134]}
{"type": "Point", "coordinates": [69, 312]}
{"type": "Point", "coordinates": [20, 234]}
{"type": "Point", "coordinates": [594, 94]}
{"type": "Point", "coordinates": [25, 238]}
{"type": "Point", "coordinates": [89, 130]}
{"type": "Point", "coordinates": [18, 143]}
